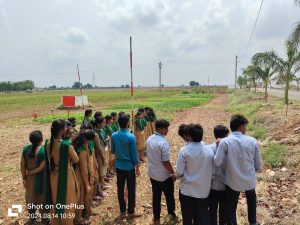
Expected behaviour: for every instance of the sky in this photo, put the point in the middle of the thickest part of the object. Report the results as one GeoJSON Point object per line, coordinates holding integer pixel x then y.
{"type": "Point", "coordinates": [195, 40]}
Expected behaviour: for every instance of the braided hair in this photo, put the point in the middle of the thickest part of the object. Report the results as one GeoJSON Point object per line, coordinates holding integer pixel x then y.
{"type": "Point", "coordinates": [56, 126]}
{"type": "Point", "coordinates": [35, 137]}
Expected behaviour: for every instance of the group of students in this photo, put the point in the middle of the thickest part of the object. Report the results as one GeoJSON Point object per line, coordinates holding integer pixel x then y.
{"type": "Point", "coordinates": [211, 175]}
{"type": "Point", "coordinates": [66, 176]}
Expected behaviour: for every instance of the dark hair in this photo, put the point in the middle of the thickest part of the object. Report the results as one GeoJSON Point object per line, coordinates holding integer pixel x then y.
{"type": "Point", "coordinates": [108, 117]}
{"type": "Point", "coordinates": [83, 136]}
{"type": "Point", "coordinates": [141, 110]}
{"type": "Point", "coordinates": [236, 121]}
{"type": "Point", "coordinates": [147, 108]}
{"type": "Point", "coordinates": [196, 132]}
{"type": "Point", "coordinates": [162, 123]}
{"type": "Point", "coordinates": [138, 113]}
{"type": "Point", "coordinates": [97, 114]}
{"type": "Point", "coordinates": [86, 126]}
{"type": "Point", "coordinates": [69, 124]}
{"type": "Point", "coordinates": [35, 137]}
{"type": "Point", "coordinates": [98, 121]}
{"type": "Point", "coordinates": [122, 113]}
{"type": "Point", "coordinates": [72, 119]}
{"type": "Point", "coordinates": [56, 126]}
{"type": "Point", "coordinates": [183, 130]}
{"type": "Point", "coordinates": [220, 131]}
{"type": "Point", "coordinates": [113, 114]}
{"type": "Point", "coordinates": [123, 121]}
{"type": "Point", "coordinates": [88, 112]}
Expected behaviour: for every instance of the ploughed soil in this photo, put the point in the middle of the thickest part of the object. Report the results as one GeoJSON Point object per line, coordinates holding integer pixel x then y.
{"type": "Point", "coordinates": [278, 190]}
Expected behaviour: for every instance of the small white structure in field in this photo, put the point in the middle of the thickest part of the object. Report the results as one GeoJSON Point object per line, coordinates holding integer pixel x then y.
{"type": "Point", "coordinates": [74, 101]}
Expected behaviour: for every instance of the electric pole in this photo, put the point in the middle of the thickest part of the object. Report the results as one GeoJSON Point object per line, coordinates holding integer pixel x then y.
{"type": "Point", "coordinates": [94, 80]}
{"type": "Point", "coordinates": [160, 66]}
{"type": "Point", "coordinates": [235, 76]}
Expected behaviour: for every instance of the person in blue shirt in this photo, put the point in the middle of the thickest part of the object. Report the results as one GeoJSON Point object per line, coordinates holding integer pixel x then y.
{"type": "Point", "coordinates": [241, 158]}
{"type": "Point", "coordinates": [127, 165]}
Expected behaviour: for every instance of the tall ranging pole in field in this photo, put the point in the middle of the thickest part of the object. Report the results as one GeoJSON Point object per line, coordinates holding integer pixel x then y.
{"type": "Point", "coordinates": [235, 74]}
{"type": "Point", "coordinates": [80, 85]}
{"type": "Point", "coordinates": [131, 91]}
{"type": "Point", "coordinates": [160, 66]}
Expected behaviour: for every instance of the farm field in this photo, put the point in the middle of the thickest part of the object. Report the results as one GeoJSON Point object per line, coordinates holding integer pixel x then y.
{"type": "Point", "coordinates": [268, 123]}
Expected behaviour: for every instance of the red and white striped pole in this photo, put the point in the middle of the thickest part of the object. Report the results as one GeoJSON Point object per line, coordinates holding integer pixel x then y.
{"type": "Point", "coordinates": [80, 85]}
{"type": "Point", "coordinates": [132, 109]}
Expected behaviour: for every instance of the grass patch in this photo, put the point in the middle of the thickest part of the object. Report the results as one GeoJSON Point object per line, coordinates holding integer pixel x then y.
{"type": "Point", "coordinates": [259, 133]}
{"type": "Point", "coordinates": [165, 106]}
{"type": "Point", "coordinates": [273, 154]}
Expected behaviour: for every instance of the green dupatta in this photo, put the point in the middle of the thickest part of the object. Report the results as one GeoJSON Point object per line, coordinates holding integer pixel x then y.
{"type": "Point", "coordinates": [102, 135]}
{"type": "Point", "coordinates": [62, 178]}
{"type": "Point", "coordinates": [139, 124]}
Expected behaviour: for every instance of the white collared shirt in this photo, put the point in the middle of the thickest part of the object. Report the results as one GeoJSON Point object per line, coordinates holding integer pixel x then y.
{"type": "Point", "coordinates": [195, 167]}
{"type": "Point", "coordinates": [241, 157]}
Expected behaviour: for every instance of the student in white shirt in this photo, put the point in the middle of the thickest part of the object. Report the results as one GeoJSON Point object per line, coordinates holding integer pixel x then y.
{"type": "Point", "coordinates": [217, 192]}
{"type": "Point", "coordinates": [194, 168]}
{"type": "Point", "coordinates": [160, 170]}
{"type": "Point", "coordinates": [241, 157]}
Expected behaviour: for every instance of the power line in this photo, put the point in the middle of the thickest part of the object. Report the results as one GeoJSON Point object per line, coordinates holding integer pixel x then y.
{"type": "Point", "coordinates": [262, 1]}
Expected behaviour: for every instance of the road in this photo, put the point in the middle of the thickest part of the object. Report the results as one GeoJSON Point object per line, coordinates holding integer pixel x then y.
{"type": "Point", "coordinates": [293, 95]}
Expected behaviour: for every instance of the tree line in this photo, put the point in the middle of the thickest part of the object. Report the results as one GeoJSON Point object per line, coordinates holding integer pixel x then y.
{"type": "Point", "coordinates": [26, 85]}
{"type": "Point", "coordinates": [269, 66]}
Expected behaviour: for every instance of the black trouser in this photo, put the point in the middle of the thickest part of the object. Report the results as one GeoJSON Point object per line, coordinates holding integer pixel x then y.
{"type": "Point", "coordinates": [167, 187]}
{"type": "Point", "coordinates": [217, 200]}
{"type": "Point", "coordinates": [129, 177]}
{"type": "Point", "coordinates": [232, 198]}
{"type": "Point", "coordinates": [194, 210]}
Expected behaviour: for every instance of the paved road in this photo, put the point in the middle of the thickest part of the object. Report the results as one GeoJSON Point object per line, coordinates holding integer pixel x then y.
{"type": "Point", "coordinates": [293, 95]}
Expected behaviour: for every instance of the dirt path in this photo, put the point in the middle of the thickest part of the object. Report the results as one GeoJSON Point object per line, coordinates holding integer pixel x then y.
{"type": "Point", "coordinates": [11, 190]}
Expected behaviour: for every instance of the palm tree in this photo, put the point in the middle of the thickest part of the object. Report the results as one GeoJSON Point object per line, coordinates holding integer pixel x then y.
{"type": "Point", "coordinates": [265, 63]}
{"type": "Point", "coordinates": [295, 35]}
{"type": "Point", "coordinates": [252, 76]}
{"type": "Point", "coordinates": [242, 81]}
{"type": "Point", "coordinates": [287, 69]}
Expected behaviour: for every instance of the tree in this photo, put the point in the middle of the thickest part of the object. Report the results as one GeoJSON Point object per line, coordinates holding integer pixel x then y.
{"type": "Point", "coordinates": [76, 85]}
{"type": "Point", "coordinates": [122, 86]}
{"type": "Point", "coordinates": [295, 35]}
{"type": "Point", "coordinates": [52, 87]}
{"type": "Point", "coordinates": [265, 63]}
{"type": "Point", "coordinates": [127, 86]}
{"type": "Point", "coordinates": [287, 69]}
{"type": "Point", "coordinates": [252, 76]}
{"type": "Point", "coordinates": [242, 81]}
{"type": "Point", "coordinates": [88, 86]}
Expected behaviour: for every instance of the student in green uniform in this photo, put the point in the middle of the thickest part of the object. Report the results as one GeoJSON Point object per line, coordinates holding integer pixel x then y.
{"type": "Point", "coordinates": [152, 119]}
{"type": "Point", "coordinates": [73, 121]}
{"type": "Point", "coordinates": [69, 134]}
{"type": "Point", "coordinates": [109, 131]}
{"type": "Point", "coordinates": [84, 175]}
{"type": "Point", "coordinates": [32, 169]}
{"type": "Point", "coordinates": [140, 135]}
{"type": "Point", "coordinates": [115, 125]}
{"type": "Point", "coordinates": [87, 117]}
{"type": "Point", "coordinates": [101, 153]}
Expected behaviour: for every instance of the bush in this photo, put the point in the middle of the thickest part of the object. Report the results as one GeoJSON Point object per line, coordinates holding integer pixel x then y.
{"type": "Point", "coordinates": [273, 154]}
{"type": "Point", "coordinates": [259, 133]}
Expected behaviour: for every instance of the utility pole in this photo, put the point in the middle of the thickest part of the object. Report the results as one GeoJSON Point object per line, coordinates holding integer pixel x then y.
{"type": "Point", "coordinates": [235, 76]}
{"type": "Point", "coordinates": [160, 66]}
{"type": "Point", "coordinates": [94, 80]}
{"type": "Point", "coordinates": [208, 81]}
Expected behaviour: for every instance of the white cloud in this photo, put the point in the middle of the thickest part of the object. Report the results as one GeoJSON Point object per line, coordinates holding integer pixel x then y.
{"type": "Point", "coordinates": [75, 36]}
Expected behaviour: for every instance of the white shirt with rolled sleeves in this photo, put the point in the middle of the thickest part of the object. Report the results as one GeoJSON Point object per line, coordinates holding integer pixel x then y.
{"type": "Point", "coordinates": [158, 151]}
{"type": "Point", "coordinates": [194, 168]}
{"type": "Point", "coordinates": [218, 178]}
{"type": "Point", "coordinates": [242, 160]}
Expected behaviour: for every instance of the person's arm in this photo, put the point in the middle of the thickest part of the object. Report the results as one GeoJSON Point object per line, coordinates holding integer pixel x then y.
{"type": "Point", "coordinates": [134, 155]}
{"type": "Point", "coordinates": [221, 151]}
{"type": "Point", "coordinates": [84, 169]}
{"type": "Point", "coordinates": [99, 149]}
{"type": "Point", "coordinates": [257, 159]}
{"type": "Point", "coordinates": [180, 164]}
{"type": "Point", "coordinates": [38, 169]}
{"type": "Point", "coordinates": [73, 155]}
{"type": "Point", "coordinates": [166, 159]}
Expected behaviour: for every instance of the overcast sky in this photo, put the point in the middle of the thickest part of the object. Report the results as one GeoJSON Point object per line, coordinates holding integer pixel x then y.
{"type": "Point", "coordinates": [44, 40]}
